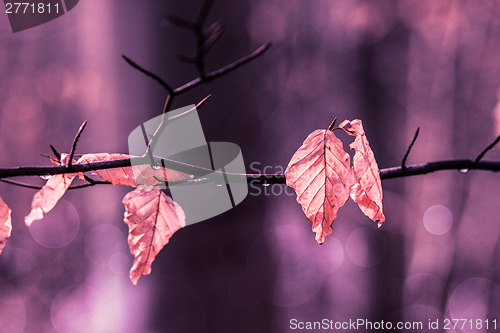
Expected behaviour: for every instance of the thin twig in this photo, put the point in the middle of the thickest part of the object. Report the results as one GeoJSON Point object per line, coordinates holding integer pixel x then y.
{"type": "Point", "coordinates": [13, 182]}
{"type": "Point", "coordinates": [95, 182]}
{"type": "Point", "coordinates": [161, 126]}
{"type": "Point", "coordinates": [203, 101]}
{"type": "Point", "coordinates": [238, 63]}
{"type": "Point", "coordinates": [149, 74]}
{"type": "Point", "coordinates": [204, 11]}
{"type": "Point", "coordinates": [212, 35]}
{"type": "Point", "coordinates": [481, 155]}
{"type": "Point", "coordinates": [75, 141]}
{"type": "Point", "coordinates": [35, 187]}
{"type": "Point", "coordinates": [403, 162]}
{"type": "Point", "coordinates": [224, 70]}
{"type": "Point", "coordinates": [180, 22]}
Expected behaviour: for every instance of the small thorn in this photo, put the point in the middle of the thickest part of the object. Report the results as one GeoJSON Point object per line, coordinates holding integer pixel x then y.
{"type": "Point", "coordinates": [332, 124]}
{"type": "Point", "coordinates": [56, 153]}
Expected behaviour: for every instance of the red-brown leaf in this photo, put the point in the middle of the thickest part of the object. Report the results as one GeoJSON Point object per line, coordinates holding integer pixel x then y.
{"type": "Point", "coordinates": [45, 199]}
{"type": "Point", "coordinates": [152, 218]}
{"type": "Point", "coordinates": [5, 224]}
{"type": "Point", "coordinates": [116, 176]}
{"type": "Point", "coordinates": [144, 174]}
{"type": "Point", "coordinates": [320, 174]}
{"type": "Point", "coordinates": [367, 192]}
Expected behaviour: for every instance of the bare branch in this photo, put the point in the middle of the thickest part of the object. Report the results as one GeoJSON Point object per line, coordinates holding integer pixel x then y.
{"type": "Point", "coordinates": [149, 74]}
{"type": "Point", "coordinates": [224, 70]}
{"type": "Point", "coordinates": [387, 173]}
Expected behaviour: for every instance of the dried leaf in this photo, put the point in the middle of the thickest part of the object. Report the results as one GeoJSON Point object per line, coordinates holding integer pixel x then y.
{"type": "Point", "coordinates": [45, 199]}
{"type": "Point", "coordinates": [144, 174]}
{"type": "Point", "coordinates": [116, 176]}
{"type": "Point", "coordinates": [152, 218]}
{"type": "Point", "coordinates": [5, 224]}
{"type": "Point", "coordinates": [367, 192]}
{"type": "Point", "coordinates": [320, 174]}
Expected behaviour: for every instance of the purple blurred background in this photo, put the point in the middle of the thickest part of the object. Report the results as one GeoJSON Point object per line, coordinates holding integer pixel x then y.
{"type": "Point", "coordinates": [397, 65]}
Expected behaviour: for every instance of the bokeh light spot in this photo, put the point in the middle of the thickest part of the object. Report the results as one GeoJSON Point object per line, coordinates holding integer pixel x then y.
{"type": "Point", "coordinates": [290, 255]}
{"type": "Point", "coordinates": [438, 219]}
{"type": "Point", "coordinates": [423, 288]}
{"type": "Point", "coordinates": [471, 298]}
{"type": "Point", "coordinates": [58, 228]}
{"type": "Point", "coordinates": [119, 263]}
{"type": "Point", "coordinates": [366, 247]}
{"type": "Point", "coordinates": [74, 309]}
{"type": "Point", "coordinates": [102, 242]}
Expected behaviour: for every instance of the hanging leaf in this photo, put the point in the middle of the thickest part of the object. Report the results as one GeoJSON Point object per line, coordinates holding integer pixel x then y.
{"type": "Point", "coordinates": [367, 192]}
{"type": "Point", "coordinates": [130, 176]}
{"type": "Point", "coordinates": [320, 174]}
{"type": "Point", "coordinates": [5, 224]}
{"type": "Point", "coordinates": [45, 199]}
{"type": "Point", "coordinates": [152, 218]}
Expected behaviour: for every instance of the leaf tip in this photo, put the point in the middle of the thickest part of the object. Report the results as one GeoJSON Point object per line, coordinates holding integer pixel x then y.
{"type": "Point", "coordinates": [36, 214]}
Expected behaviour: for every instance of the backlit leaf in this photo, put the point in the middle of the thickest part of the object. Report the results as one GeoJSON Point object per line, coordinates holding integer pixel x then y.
{"type": "Point", "coordinates": [131, 176]}
{"type": "Point", "coordinates": [320, 174]}
{"type": "Point", "coordinates": [45, 199]}
{"type": "Point", "coordinates": [152, 218]}
{"type": "Point", "coordinates": [367, 192]}
{"type": "Point", "coordinates": [5, 224]}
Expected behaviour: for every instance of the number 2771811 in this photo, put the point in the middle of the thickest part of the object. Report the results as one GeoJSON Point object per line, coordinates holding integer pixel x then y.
{"type": "Point", "coordinates": [31, 8]}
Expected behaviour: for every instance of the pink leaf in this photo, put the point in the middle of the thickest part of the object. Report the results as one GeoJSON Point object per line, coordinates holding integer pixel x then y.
{"type": "Point", "coordinates": [130, 176]}
{"type": "Point", "coordinates": [367, 192]}
{"type": "Point", "coordinates": [45, 199]}
{"type": "Point", "coordinates": [5, 224]}
{"type": "Point", "coordinates": [152, 218]}
{"type": "Point", "coordinates": [320, 174]}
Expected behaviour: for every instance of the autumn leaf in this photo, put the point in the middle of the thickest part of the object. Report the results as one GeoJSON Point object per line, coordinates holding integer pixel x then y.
{"type": "Point", "coordinates": [131, 176]}
{"type": "Point", "coordinates": [320, 174]}
{"type": "Point", "coordinates": [5, 224]}
{"type": "Point", "coordinates": [367, 191]}
{"type": "Point", "coordinates": [45, 199]}
{"type": "Point", "coordinates": [152, 218]}
{"type": "Point", "coordinates": [116, 176]}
